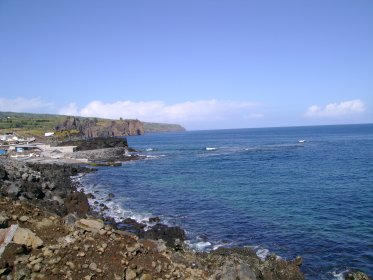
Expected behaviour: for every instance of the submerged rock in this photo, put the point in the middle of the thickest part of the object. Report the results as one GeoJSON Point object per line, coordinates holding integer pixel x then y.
{"type": "Point", "coordinates": [131, 225]}
{"type": "Point", "coordinates": [154, 220]}
{"type": "Point", "coordinates": [357, 276]}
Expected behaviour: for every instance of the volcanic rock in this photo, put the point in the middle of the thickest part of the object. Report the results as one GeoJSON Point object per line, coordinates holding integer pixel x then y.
{"type": "Point", "coordinates": [26, 237]}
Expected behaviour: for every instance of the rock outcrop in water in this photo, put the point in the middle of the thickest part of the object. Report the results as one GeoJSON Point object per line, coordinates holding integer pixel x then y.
{"type": "Point", "coordinates": [94, 128]}
{"type": "Point", "coordinates": [96, 143]}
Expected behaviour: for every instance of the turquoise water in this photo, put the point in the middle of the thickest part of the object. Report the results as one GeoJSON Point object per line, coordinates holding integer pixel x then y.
{"type": "Point", "coordinates": [259, 188]}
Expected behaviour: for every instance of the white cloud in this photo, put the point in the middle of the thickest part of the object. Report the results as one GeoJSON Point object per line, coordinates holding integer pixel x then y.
{"type": "Point", "coordinates": [24, 105]}
{"type": "Point", "coordinates": [71, 110]}
{"type": "Point", "coordinates": [157, 111]}
{"type": "Point", "coordinates": [336, 109]}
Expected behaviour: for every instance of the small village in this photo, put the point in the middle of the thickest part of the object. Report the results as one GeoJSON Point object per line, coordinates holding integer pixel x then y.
{"type": "Point", "coordinates": [14, 146]}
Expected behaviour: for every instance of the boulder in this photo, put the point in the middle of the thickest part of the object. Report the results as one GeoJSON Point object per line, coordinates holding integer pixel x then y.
{"type": "Point", "coordinates": [33, 191]}
{"type": "Point", "coordinates": [4, 219]}
{"type": "Point", "coordinates": [26, 237]}
{"type": "Point", "coordinates": [132, 226]}
{"type": "Point", "coordinates": [77, 202]}
{"type": "Point", "coordinates": [11, 190]}
{"type": "Point", "coordinates": [11, 252]}
{"type": "Point", "coordinates": [231, 270]}
{"type": "Point", "coordinates": [3, 173]}
{"type": "Point", "coordinates": [245, 272]}
{"type": "Point", "coordinates": [130, 274]}
{"type": "Point", "coordinates": [357, 276]}
{"type": "Point", "coordinates": [166, 233]}
{"type": "Point", "coordinates": [90, 225]}
{"type": "Point", "coordinates": [154, 220]}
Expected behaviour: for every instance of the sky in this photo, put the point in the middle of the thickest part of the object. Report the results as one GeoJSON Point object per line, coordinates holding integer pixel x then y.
{"type": "Point", "coordinates": [204, 64]}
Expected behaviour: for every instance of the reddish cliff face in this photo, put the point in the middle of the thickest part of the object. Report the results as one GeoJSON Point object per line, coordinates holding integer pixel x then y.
{"type": "Point", "coordinates": [94, 128]}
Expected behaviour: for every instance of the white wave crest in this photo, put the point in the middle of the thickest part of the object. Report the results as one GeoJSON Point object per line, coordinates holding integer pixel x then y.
{"type": "Point", "coordinates": [202, 246]}
{"type": "Point", "coordinates": [262, 253]}
{"type": "Point", "coordinates": [340, 275]}
{"type": "Point", "coordinates": [217, 246]}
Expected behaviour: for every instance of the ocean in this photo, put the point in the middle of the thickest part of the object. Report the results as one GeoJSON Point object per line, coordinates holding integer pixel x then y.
{"type": "Point", "coordinates": [262, 188]}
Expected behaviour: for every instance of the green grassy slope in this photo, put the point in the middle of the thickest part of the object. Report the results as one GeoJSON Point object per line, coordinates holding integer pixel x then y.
{"type": "Point", "coordinates": [161, 127]}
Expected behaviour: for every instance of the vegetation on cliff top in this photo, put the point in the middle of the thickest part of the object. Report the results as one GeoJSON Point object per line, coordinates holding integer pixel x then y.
{"type": "Point", "coordinates": [161, 127]}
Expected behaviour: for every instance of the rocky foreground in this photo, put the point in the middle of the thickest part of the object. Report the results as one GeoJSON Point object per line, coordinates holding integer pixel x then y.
{"type": "Point", "coordinates": [48, 231]}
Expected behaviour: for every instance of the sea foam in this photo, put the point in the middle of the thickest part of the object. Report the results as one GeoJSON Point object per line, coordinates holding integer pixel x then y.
{"type": "Point", "coordinates": [340, 275]}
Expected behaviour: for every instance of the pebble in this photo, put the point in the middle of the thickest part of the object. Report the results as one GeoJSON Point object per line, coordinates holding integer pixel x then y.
{"type": "Point", "coordinates": [35, 261]}
{"type": "Point", "coordinates": [55, 260]}
{"type": "Point", "coordinates": [146, 277]}
{"type": "Point", "coordinates": [55, 270]}
{"type": "Point", "coordinates": [36, 267]}
{"type": "Point", "coordinates": [133, 248]}
{"type": "Point", "coordinates": [93, 266]}
{"type": "Point", "coordinates": [24, 176]}
{"type": "Point", "coordinates": [130, 274]}
{"type": "Point", "coordinates": [71, 265]}
{"type": "Point", "coordinates": [23, 219]}
{"type": "Point", "coordinates": [47, 252]}
{"type": "Point", "coordinates": [80, 254]}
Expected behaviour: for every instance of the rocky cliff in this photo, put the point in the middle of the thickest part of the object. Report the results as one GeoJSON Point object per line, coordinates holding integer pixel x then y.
{"type": "Point", "coordinates": [98, 128]}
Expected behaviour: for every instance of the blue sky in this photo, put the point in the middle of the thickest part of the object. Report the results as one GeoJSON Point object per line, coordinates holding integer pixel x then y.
{"type": "Point", "coordinates": [203, 64]}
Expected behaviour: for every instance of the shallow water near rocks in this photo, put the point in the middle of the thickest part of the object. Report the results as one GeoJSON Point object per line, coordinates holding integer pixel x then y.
{"type": "Point", "coordinates": [256, 187]}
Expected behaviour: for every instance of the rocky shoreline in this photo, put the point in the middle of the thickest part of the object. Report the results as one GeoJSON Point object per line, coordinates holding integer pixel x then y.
{"type": "Point", "coordinates": [57, 235]}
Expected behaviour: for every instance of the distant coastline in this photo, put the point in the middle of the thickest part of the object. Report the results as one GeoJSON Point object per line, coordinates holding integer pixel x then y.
{"type": "Point", "coordinates": [61, 126]}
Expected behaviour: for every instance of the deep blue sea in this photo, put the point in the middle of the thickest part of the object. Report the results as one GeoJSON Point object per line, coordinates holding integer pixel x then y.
{"type": "Point", "coordinates": [256, 187]}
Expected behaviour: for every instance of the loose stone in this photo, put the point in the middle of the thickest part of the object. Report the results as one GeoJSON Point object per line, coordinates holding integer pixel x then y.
{"type": "Point", "coordinates": [93, 266]}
